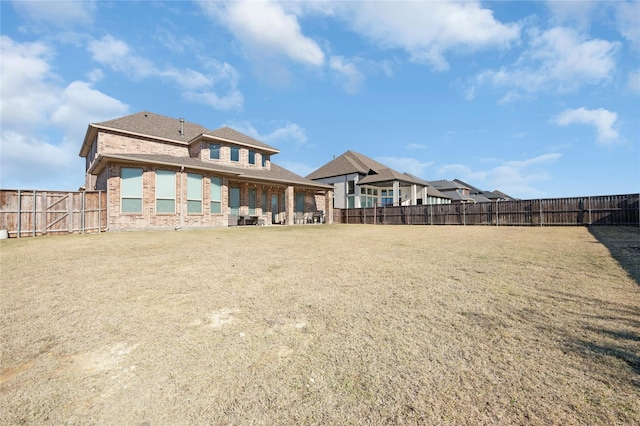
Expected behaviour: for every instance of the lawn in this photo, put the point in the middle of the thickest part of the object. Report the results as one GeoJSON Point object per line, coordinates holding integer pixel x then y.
{"type": "Point", "coordinates": [341, 324]}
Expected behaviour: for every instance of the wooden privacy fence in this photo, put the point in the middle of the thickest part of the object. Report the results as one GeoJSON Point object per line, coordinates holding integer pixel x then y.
{"type": "Point", "coordinates": [601, 210]}
{"type": "Point", "coordinates": [31, 213]}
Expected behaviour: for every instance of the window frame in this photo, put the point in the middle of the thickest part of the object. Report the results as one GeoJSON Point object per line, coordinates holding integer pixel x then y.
{"type": "Point", "coordinates": [125, 188]}
{"type": "Point", "coordinates": [214, 147]}
{"type": "Point", "coordinates": [215, 199]}
{"type": "Point", "coordinates": [191, 199]}
{"type": "Point", "coordinates": [160, 197]}
{"type": "Point", "coordinates": [252, 157]}
{"type": "Point", "coordinates": [234, 149]}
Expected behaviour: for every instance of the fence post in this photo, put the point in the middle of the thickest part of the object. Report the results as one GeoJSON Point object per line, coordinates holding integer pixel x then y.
{"type": "Point", "coordinates": [497, 214]}
{"type": "Point", "coordinates": [35, 202]}
{"type": "Point", "coordinates": [540, 201]}
{"type": "Point", "coordinates": [84, 208]}
{"type": "Point", "coordinates": [19, 211]}
{"type": "Point", "coordinates": [589, 210]}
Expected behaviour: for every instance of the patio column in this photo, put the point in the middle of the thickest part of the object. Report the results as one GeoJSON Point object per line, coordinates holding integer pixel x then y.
{"type": "Point", "coordinates": [396, 193]}
{"type": "Point", "coordinates": [289, 204]}
{"type": "Point", "coordinates": [328, 207]}
{"type": "Point", "coordinates": [414, 195]}
{"type": "Point", "coordinates": [425, 195]}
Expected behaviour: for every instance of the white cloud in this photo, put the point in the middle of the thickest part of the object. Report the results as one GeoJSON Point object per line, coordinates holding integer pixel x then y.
{"type": "Point", "coordinates": [428, 30]}
{"type": "Point", "coordinates": [559, 59]}
{"type": "Point", "coordinates": [601, 119]}
{"type": "Point", "coordinates": [351, 77]}
{"type": "Point", "coordinates": [628, 21]}
{"type": "Point", "coordinates": [34, 100]}
{"type": "Point", "coordinates": [265, 29]}
{"type": "Point", "coordinates": [80, 105]}
{"type": "Point", "coordinates": [197, 85]}
{"type": "Point", "coordinates": [406, 165]}
{"type": "Point", "coordinates": [415, 147]}
{"type": "Point", "coordinates": [298, 168]}
{"type": "Point", "coordinates": [28, 91]}
{"type": "Point", "coordinates": [57, 13]}
{"type": "Point", "coordinates": [289, 134]}
{"type": "Point", "coordinates": [516, 178]}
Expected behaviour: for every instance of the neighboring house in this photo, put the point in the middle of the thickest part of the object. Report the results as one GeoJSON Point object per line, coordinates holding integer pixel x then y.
{"type": "Point", "coordinates": [481, 196]}
{"type": "Point", "coordinates": [359, 181]}
{"type": "Point", "coordinates": [166, 173]}
{"type": "Point", "coordinates": [458, 193]}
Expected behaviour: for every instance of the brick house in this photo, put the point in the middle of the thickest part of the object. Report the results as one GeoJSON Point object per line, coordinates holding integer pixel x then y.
{"type": "Point", "coordinates": [166, 173]}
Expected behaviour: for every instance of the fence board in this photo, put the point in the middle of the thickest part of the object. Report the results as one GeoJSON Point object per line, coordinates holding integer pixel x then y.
{"type": "Point", "coordinates": [33, 213]}
{"type": "Point", "coordinates": [575, 211]}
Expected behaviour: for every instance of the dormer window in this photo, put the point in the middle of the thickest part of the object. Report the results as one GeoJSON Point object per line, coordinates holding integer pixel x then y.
{"type": "Point", "coordinates": [235, 154]}
{"type": "Point", "coordinates": [252, 157]}
{"type": "Point", "coordinates": [265, 157]}
{"type": "Point", "coordinates": [214, 151]}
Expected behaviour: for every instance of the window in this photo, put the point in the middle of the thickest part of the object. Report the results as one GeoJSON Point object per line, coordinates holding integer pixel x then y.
{"type": "Point", "coordinates": [165, 191]}
{"type": "Point", "coordinates": [351, 187]}
{"type": "Point", "coordinates": [214, 151]}
{"type": "Point", "coordinates": [299, 202]}
{"type": "Point", "coordinates": [234, 200]}
{"type": "Point", "coordinates": [131, 190]}
{"type": "Point", "coordinates": [263, 203]}
{"type": "Point", "coordinates": [235, 153]}
{"type": "Point", "coordinates": [194, 193]}
{"type": "Point", "coordinates": [265, 158]}
{"type": "Point", "coordinates": [252, 201]}
{"type": "Point", "coordinates": [216, 195]}
{"type": "Point", "coordinates": [252, 157]}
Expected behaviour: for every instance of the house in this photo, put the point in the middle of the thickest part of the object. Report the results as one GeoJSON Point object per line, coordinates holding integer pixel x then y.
{"type": "Point", "coordinates": [166, 173]}
{"type": "Point", "coordinates": [359, 181]}
{"type": "Point", "coordinates": [481, 196]}
{"type": "Point", "coordinates": [458, 193]}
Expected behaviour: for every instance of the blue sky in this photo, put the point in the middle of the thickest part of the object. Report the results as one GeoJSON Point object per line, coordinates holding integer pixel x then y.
{"type": "Point", "coordinates": [536, 99]}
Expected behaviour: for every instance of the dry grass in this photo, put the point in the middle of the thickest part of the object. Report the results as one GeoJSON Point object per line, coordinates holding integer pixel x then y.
{"type": "Point", "coordinates": [319, 325]}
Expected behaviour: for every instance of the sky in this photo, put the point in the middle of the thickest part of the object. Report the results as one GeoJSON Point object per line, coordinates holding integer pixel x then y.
{"type": "Point", "coordinates": [535, 99]}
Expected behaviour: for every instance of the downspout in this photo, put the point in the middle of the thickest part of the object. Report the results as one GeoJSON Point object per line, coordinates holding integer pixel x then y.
{"type": "Point", "coordinates": [181, 207]}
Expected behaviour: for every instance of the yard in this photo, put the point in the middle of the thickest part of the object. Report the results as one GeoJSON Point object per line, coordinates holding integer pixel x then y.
{"type": "Point", "coordinates": [342, 324]}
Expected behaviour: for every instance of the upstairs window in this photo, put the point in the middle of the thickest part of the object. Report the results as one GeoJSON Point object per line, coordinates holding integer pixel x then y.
{"type": "Point", "coordinates": [131, 190]}
{"type": "Point", "coordinates": [351, 187]}
{"type": "Point", "coordinates": [235, 153]}
{"type": "Point", "coordinates": [252, 157]}
{"type": "Point", "coordinates": [214, 151]}
{"type": "Point", "coordinates": [265, 158]}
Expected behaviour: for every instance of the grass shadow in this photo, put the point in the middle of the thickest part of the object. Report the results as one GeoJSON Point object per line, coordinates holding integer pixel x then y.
{"type": "Point", "coordinates": [623, 242]}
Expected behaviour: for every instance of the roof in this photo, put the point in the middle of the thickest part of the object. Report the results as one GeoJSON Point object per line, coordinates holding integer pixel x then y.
{"type": "Point", "coordinates": [472, 189]}
{"type": "Point", "coordinates": [348, 163]}
{"type": "Point", "coordinates": [375, 173]}
{"type": "Point", "coordinates": [174, 130]}
{"type": "Point", "coordinates": [447, 185]}
{"type": "Point", "coordinates": [276, 174]}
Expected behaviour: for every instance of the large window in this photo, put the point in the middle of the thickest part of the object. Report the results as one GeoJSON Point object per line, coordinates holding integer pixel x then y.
{"type": "Point", "coordinates": [131, 190]}
{"type": "Point", "coordinates": [299, 202]}
{"type": "Point", "coordinates": [252, 157]}
{"type": "Point", "coordinates": [263, 202]}
{"type": "Point", "coordinates": [234, 200]}
{"type": "Point", "coordinates": [216, 195]}
{"type": "Point", "coordinates": [214, 151]}
{"type": "Point", "coordinates": [235, 153]}
{"type": "Point", "coordinates": [194, 193]}
{"type": "Point", "coordinates": [252, 201]}
{"type": "Point", "coordinates": [165, 191]}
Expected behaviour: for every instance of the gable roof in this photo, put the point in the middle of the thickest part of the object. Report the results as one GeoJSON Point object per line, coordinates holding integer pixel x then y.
{"type": "Point", "coordinates": [375, 173]}
{"type": "Point", "coordinates": [348, 163]}
{"type": "Point", "coordinates": [149, 125]}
